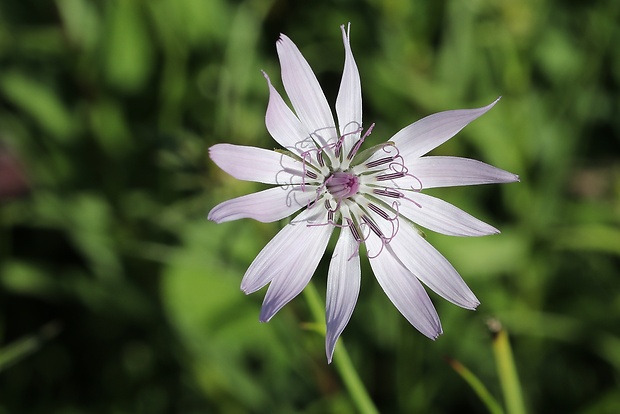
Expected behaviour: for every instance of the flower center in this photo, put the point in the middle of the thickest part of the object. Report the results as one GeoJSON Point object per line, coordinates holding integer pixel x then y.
{"type": "Point", "coordinates": [342, 184]}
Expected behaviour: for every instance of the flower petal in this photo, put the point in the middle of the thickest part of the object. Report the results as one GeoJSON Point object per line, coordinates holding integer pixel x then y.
{"type": "Point", "coordinates": [265, 206]}
{"type": "Point", "coordinates": [404, 289]}
{"type": "Point", "coordinates": [349, 100]}
{"type": "Point", "coordinates": [283, 125]}
{"type": "Point", "coordinates": [305, 93]}
{"type": "Point", "coordinates": [343, 286]}
{"type": "Point", "coordinates": [257, 164]}
{"type": "Point", "coordinates": [440, 171]}
{"type": "Point", "coordinates": [442, 217]}
{"type": "Point", "coordinates": [295, 265]}
{"type": "Point", "coordinates": [422, 136]}
{"type": "Point", "coordinates": [428, 265]}
{"type": "Point", "coordinates": [279, 254]}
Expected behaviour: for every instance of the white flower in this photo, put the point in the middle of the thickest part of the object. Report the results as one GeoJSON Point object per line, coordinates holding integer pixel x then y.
{"type": "Point", "coordinates": [372, 196]}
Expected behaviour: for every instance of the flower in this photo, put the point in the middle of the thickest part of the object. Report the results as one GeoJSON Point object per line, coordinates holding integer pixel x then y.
{"type": "Point", "coordinates": [373, 196]}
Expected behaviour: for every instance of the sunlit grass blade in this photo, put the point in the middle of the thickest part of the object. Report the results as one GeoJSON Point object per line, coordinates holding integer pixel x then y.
{"type": "Point", "coordinates": [483, 393]}
{"type": "Point", "coordinates": [21, 348]}
{"type": "Point", "coordinates": [506, 369]}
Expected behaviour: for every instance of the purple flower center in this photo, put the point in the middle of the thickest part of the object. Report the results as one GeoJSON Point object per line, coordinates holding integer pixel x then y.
{"type": "Point", "coordinates": [342, 184]}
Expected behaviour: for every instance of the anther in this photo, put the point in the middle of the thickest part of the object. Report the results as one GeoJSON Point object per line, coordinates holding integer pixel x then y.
{"type": "Point", "coordinates": [372, 226]}
{"type": "Point", "coordinates": [388, 192]}
{"type": "Point", "coordinates": [379, 162]}
{"type": "Point", "coordinates": [379, 211]}
{"type": "Point", "coordinates": [392, 176]}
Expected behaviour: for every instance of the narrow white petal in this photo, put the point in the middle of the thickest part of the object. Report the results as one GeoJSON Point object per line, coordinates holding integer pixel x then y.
{"type": "Point", "coordinates": [442, 217]}
{"type": "Point", "coordinates": [283, 125]}
{"type": "Point", "coordinates": [297, 263]}
{"type": "Point", "coordinates": [305, 93]}
{"type": "Point", "coordinates": [343, 286]}
{"type": "Point", "coordinates": [404, 290]}
{"type": "Point", "coordinates": [422, 136]}
{"type": "Point", "coordinates": [257, 164]}
{"type": "Point", "coordinates": [281, 253]}
{"type": "Point", "coordinates": [440, 171]}
{"type": "Point", "coordinates": [265, 206]}
{"type": "Point", "coordinates": [431, 267]}
{"type": "Point", "coordinates": [349, 101]}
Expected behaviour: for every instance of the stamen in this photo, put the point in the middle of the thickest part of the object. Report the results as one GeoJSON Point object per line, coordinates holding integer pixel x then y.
{"type": "Point", "coordinates": [311, 175]}
{"type": "Point", "coordinates": [388, 192]}
{"type": "Point", "coordinates": [375, 229]}
{"type": "Point", "coordinates": [356, 235]}
{"type": "Point", "coordinates": [338, 146]}
{"type": "Point", "coordinates": [392, 176]}
{"type": "Point", "coordinates": [379, 211]}
{"type": "Point", "coordinates": [379, 162]}
{"type": "Point", "coordinates": [359, 142]}
{"type": "Point", "coordinates": [319, 158]}
{"type": "Point", "coordinates": [354, 231]}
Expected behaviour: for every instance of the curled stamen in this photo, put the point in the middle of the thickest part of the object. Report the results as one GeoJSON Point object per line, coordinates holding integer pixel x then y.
{"type": "Point", "coordinates": [375, 229]}
{"type": "Point", "coordinates": [313, 202]}
{"type": "Point", "coordinates": [392, 176]}
{"type": "Point", "coordinates": [376, 255]}
{"type": "Point", "coordinates": [379, 211]}
{"type": "Point", "coordinates": [400, 170]}
{"type": "Point", "coordinates": [371, 224]}
{"type": "Point", "coordinates": [388, 192]}
{"type": "Point", "coordinates": [330, 222]}
{"type": "Point", "coordinates": [379, 162]}
{"type": "Point", "coordinates": [356, 235]}
{"type": "Point", "coordinates": [319, 158]}
{"type": "Point", "coordinates": [359, 142]}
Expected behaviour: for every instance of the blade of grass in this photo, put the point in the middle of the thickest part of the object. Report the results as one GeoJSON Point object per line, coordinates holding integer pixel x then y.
{"type": "Point", "coordinates": [506, 369]}
{"type": "Point", "coordinates": [21, 348]}
{"type": "Point", "coordinates": [483, 393]}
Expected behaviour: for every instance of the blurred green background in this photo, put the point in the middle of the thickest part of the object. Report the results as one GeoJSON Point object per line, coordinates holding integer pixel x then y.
{"type": "Point", "coordinates": [118, 296]}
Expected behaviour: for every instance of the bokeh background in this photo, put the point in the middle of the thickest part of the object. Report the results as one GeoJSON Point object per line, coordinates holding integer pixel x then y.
{"type": "Point", "coordinates": [118, 296]}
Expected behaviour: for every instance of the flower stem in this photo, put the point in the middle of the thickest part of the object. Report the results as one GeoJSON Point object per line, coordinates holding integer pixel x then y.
{"type": "Point", "coordinates": [506, 369]}
{"type": "Point", "coordinates": [342, 361]}
{"type": "Point", "coordinates": [479, 388]}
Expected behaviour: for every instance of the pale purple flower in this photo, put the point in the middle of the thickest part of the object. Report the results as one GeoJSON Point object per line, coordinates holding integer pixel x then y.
{"type": "Point", "coordinates": [373, 196]}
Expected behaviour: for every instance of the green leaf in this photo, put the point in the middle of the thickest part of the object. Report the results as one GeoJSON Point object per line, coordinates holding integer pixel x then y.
{"type": "Point", "coordinates": [40, 102]}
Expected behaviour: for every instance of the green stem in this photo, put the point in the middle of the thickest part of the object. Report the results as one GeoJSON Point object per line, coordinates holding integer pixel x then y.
{"type": "Point", "coordinates": [483, 393]}
{"type": "Point", "coordinates": [507, 371]}
{"type": "Point", "coordinates": [342, 361]}
{"type": "Point", "coordinates": [14, 352]}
